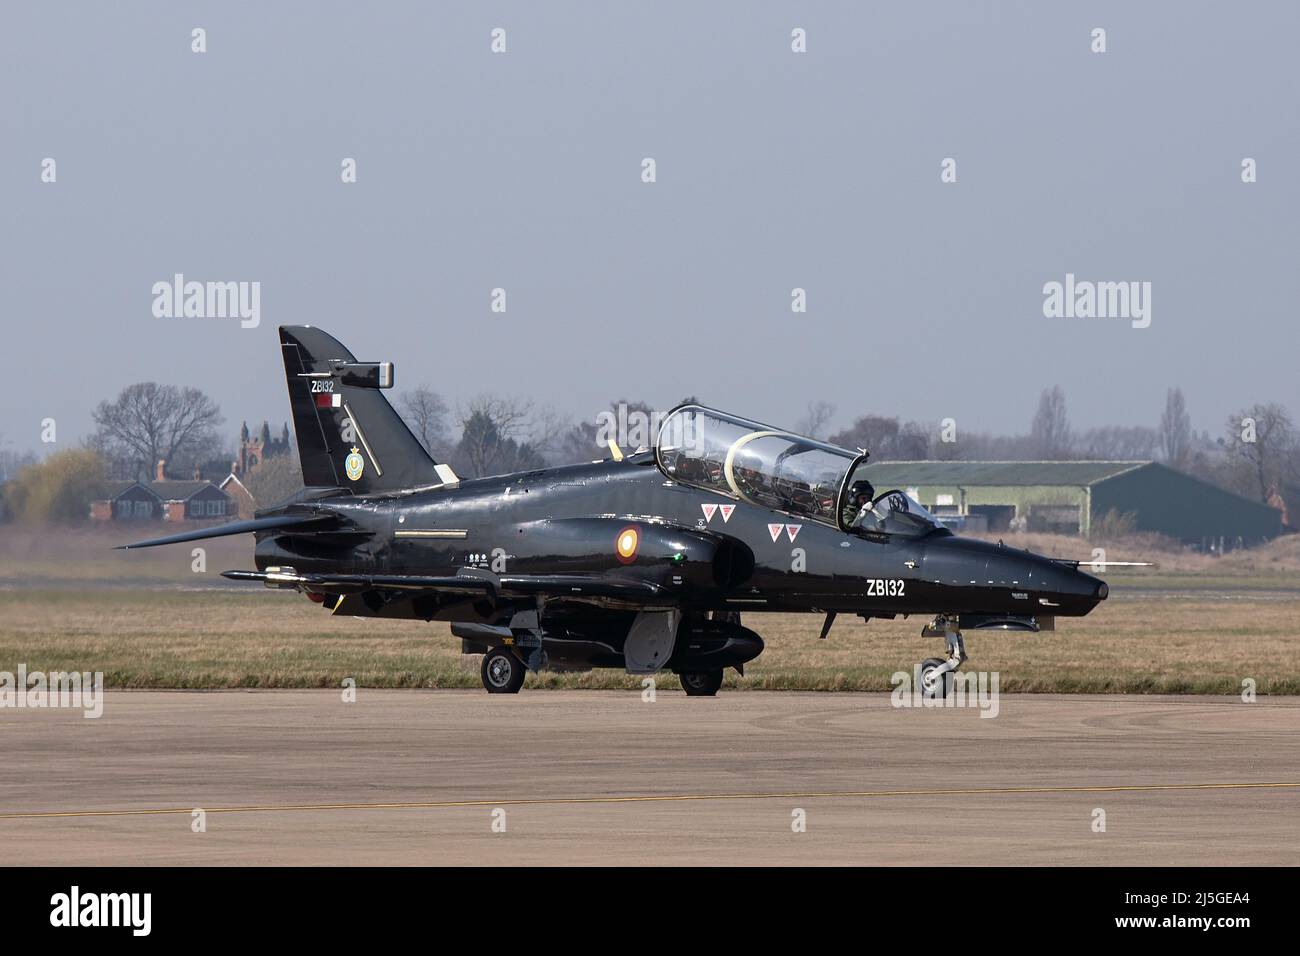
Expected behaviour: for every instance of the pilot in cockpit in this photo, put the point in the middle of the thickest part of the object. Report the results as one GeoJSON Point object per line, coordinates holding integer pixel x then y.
{"type": "Point", "coordinates": [860, 497]}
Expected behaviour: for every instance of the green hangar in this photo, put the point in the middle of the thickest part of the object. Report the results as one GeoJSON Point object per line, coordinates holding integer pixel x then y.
{"type": "Point", "coordinates": [1072, 497]}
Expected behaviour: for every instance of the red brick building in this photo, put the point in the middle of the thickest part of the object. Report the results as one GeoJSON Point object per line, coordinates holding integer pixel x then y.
{"type": "Point", "coordinates": [163, 499]}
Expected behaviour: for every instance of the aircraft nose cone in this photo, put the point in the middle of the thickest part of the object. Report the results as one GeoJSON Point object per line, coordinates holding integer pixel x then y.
{"type": "Point", "coordinates": [1088, 588]}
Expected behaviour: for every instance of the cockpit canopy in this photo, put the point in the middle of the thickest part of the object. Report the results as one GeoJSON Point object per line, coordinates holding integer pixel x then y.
{"type": "Point", "coordinates": [772, 468]}
{"type": "Point", "coordinates": [895, 513]}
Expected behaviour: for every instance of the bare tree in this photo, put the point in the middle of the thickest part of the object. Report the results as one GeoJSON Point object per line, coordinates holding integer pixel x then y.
{"type": "Point", "coordinates": [814, 422]}
{"type": "Point", "coordinates": [1261, 439]}
{"type": "Point", "coordinates": [578, 444]}
{"type": "Point", "coordinates": [425, 414]}
{"type": "Point", "coordinates": [491, 438]}
{"type": "Point", "coordinates": [913, 442]}
{"type": "Point", "coordinates": [984, 446]}
{"type": "Point", "coordinates": [546, 431]}
{"type": "Point", "coordinates": [630, 424]}
{"type": "Point", "coordinates": [1175, 429]}
{"type": "Point", "coordinates": [1050, 431]}
{"type": "Point", "coordinates": [885, 438]}
{"type": "Point", "coordinates": [875, 433]}
{"type": "Point", "coordinates": [1122, 442]}
{"type": "Point", "coordinates": [149, 423]}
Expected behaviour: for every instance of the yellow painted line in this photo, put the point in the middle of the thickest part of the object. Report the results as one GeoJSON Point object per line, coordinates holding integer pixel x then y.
{"type": "Point", "coordinates": [657, 798]}
{"type": "Point", "coordinates": [446, 533]}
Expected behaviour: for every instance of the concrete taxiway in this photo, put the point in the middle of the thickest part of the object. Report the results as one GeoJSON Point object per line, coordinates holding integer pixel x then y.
{"type": "Point", "coordinates": [595, 777]}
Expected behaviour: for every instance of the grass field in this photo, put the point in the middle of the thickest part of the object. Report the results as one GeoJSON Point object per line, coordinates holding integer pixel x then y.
{"type": "Point", "coordinates": [146, 619]}
{"type": "Point", "coordinates": [258, 638]}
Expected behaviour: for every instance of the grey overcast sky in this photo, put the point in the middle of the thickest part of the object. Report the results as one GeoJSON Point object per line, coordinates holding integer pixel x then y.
{"type": "Point", "coordinates": [775, 170]}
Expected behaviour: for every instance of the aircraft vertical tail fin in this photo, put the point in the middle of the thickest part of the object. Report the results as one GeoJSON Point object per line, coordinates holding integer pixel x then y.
{"type": "Point", "coordinates": [349, 436]}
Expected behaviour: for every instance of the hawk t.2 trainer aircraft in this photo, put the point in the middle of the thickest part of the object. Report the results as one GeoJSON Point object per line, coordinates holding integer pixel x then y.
{"type": "Point", "coordinates": [645, 561]}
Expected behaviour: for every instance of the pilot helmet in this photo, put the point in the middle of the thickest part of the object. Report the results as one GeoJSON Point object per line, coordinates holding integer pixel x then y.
{"type": "Point", "coordinates": [860, 489]}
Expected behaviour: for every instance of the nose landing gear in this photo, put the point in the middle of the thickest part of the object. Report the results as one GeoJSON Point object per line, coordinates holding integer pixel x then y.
{"type": "Point", "coordinates": [936, 673]}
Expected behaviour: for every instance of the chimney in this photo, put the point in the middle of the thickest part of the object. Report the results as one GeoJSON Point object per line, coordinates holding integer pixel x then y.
{"type": "Point", "coordinates": [198, 473]}
{"type": "Point", "coordinates": [158, 472]}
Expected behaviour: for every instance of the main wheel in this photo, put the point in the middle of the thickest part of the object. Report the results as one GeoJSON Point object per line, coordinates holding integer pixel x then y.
{"type": "Point", "coordinates": [701, 683]}
{"type": "Point", "coordinates": [503, 673]}
{"type": "Point", "coordinates": [944, 685]}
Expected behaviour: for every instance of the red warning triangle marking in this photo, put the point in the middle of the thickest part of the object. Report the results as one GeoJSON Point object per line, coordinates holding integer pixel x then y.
{"type": "Point", "coordinates": [708, 512]}
{"type": "Point", "coordinates": [791, 530]}
{"type": "Point", "coordinates": [726, 512]}
{"type": "Point", "coordinates": [775, 530]}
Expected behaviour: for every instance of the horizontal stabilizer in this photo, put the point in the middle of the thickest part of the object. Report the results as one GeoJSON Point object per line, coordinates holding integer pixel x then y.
{"type": "Point", "coordinates": [315, 522]}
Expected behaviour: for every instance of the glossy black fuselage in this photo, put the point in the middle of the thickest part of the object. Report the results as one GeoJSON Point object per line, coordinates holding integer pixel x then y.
{"type": "Point", "coordinates": [570, 520]}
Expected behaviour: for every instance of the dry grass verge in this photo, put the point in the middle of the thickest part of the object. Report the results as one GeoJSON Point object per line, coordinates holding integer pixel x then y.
{"type": "Point", "coordinates": [1139, 643]}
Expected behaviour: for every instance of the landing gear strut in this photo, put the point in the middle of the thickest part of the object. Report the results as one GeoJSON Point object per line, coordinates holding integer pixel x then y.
{"type": "Point", "coordinates": [936, 672]}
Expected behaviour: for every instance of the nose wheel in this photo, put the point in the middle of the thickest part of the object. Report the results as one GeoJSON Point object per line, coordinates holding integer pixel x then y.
{"type": "Point", "coordinates": [934, 682]}
{"type": "Point", "coordinates": [937, 672]}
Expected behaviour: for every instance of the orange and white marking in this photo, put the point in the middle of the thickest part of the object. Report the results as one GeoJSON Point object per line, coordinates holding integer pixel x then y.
{"type": "Point", "coordinates": [626, 545]}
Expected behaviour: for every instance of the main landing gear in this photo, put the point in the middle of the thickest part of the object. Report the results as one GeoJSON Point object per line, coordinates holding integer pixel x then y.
{"type": "Point", "coordinates": [706, 683]}
{"type": "Point", "coordinates": [936, 673]}
{"type": "Point", "coordinates": [506, 666]}
{"type": "Point", "coordinates": [701, 683]}
{"type": "Point", "coordinates": [502, 671]}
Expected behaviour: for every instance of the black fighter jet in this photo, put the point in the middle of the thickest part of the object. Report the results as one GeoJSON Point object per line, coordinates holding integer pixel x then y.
{"type": "Point", "coordinates": [644, 561]}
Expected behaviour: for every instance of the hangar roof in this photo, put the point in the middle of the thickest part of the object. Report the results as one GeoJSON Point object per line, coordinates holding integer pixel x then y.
{"type": "Point", "coordinates": [897, 474]}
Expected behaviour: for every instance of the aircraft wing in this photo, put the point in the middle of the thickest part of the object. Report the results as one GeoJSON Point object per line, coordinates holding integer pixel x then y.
{"type": "Point", "coordinates": [302, 522]}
